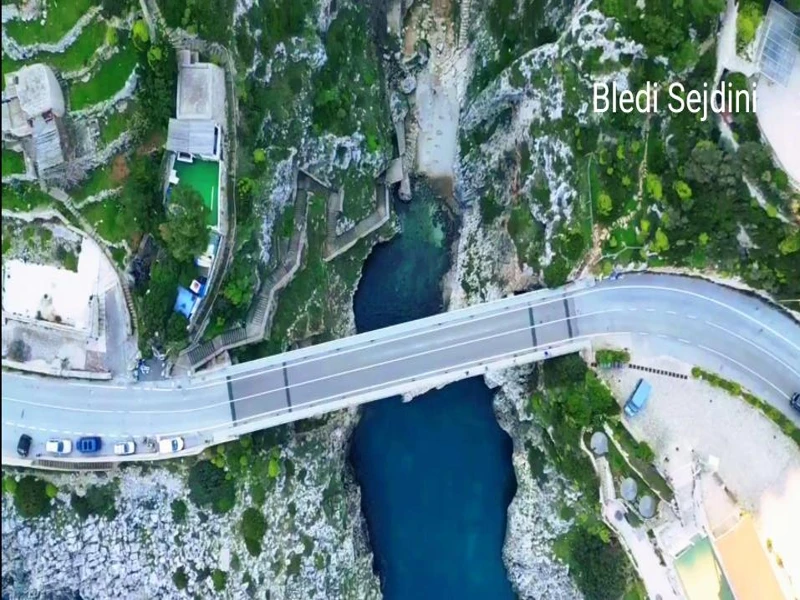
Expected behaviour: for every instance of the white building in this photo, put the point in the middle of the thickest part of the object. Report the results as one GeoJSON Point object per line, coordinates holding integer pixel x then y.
{"type": "Point", "coordinates": [32, 105]}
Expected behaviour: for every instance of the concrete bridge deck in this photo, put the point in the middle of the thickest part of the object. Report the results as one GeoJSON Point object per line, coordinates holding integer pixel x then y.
{"type": "Point", "coordinates": [720, 329]}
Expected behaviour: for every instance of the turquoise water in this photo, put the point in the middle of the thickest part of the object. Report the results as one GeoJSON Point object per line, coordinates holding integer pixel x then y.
{"type": "Point", "coordinates": [435, 474]}
{"type": "Point", "coordinates": [701, 574]}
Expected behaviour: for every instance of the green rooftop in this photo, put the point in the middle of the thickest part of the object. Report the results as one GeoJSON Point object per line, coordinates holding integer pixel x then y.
{"type": "Point", "coordinates": [203, 176]}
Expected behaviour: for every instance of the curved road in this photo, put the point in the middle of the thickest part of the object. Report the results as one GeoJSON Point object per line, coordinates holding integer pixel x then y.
{"type": "Point", "coordinates": [731, 333]}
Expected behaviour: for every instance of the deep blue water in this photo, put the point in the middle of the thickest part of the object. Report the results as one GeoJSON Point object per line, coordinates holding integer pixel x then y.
{"type": "Point", "coordinates": [435, 474]}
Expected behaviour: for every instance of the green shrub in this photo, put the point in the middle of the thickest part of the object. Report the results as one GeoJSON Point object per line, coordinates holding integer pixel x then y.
{"type": "Point", "coordinates": [253, 527]}
{"type": "Point", "coordinates": [9, 485]}
{"type": "Point", "coordinates": [51, 490]}
{"type": "Point", "coordinates": [208, 486]}
{"type": "Point", "coordinates": [219, 578]}
{"type": "Point", "coordinates": [99, 500]}
{"type": "Point", "coordinates": [611, 357]}
{"type": "Point", "coordinates": [179, 510]}
{"type": "Point", "coordinates": [30, 497]}
{"type": "Point", "coordinates": [180, 579]}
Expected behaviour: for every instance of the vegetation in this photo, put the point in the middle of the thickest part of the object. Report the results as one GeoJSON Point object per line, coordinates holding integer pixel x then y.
{"type": "Point", "coordinates": [608, 356]}
{"type": "Point", "coordinates": [773, 414]}
{"type": "Point", "coordinates": [61, 17]}
{"type": "Point", "coordinates": [13, 162]}
{"type": "Point", "coordinates": [208, 486]}
{"type": "Point", "coordinates": [21, 197]}
{"type": "Point", "coordinates": [179, 511]}
{"type": "Point", "coordinates": [597, 561]}
{"type": "Point", "coordinates": [30, 497]}
{"type": "Point", "coordinates": [158, 81]}
{"type": "Point", "coordinates": [156, 301]}
{"type": "Point", "coordinates": [210, 19]}
{"type": "Point", "coordinates": [99, 500]}
{"type": "Point", "coordinates": [219, 579]}
{"type": "Point", "coordinates": [180, 578]}
{"type": "Point", "coordinates": [185, 231]}
{"type": "Point", "coordinates": [108, 79]}
{"type": "Point", "coordinates": [747, 22]}
{"type": "Point", "coordinates": [253, 527]}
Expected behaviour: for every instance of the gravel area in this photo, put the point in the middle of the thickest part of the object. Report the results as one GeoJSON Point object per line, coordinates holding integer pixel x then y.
{"type": "Point", "coordinates": [757, 463]}
{"type": "Point", "coordinates": [754, 456]}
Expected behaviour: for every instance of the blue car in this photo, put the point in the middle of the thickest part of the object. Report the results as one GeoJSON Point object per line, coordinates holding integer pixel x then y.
{"type": "Point", "coordinates": [89, 445]}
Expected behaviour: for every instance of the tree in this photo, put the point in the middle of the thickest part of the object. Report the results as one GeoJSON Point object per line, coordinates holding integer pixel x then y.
{"type": "Point", "coordinates": [180, 578]}
{"type": "Point", "coordinates": [599, 566]}
{"type": "Point", "coordinates": [208, 486]}
{"type": "Point", "coordinates": [604, 204]}
{"type": "Point", "coordinates": [790, 244]}
{"type": "Point", "coordinates": [564, 370]}
{"type": "Point", "coordinates": [683, 190]}
{"type": "Point", "coordinates": [141, 35]}
{"type": "Point", "coordinates": [253, 527]}
{"type": "Point", "coordinates": [185, 230]}
{"type": "Point", "coordinates": [30, 497]}
{"type": "Point", "coordinates": [114, 8]}
{"type": "Point", "coordinates": [112, 37]}
{"type": "Point", "coordinates": [239, 286]}
{"type": "Point", "coordinates": [158, 77]}
{"type": "Point", "coordinates": [176, 328]}
{"type": "Point", "coordinates": [653, 186]}
{"type": "Point", "coordinates": [661, 243]}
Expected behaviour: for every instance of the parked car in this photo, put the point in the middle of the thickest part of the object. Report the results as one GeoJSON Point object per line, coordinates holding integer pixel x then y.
{"type": "Point", "coordinates": [24, 445]}
{"type": "Point", "coordinates": [89, 445]}
{"type": "Point", "coordinates": [795, 401]}
{"type": "Point", "coordinates": [125, 448]}
{"type": "Point", "coordinates": [167, 445]}
{"type": "Point", "coordinates": [58, 447]}
{"type": "Point", "coordinates": [638, 398]}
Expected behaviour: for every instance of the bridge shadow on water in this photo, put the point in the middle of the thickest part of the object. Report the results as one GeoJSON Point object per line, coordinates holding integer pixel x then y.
{"type": "Point", "coordinates": [436, 475]}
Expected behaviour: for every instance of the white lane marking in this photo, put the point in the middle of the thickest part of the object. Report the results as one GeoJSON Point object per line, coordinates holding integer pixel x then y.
{"type": "Point", "coordinates": [693, 317]}
{"type": "Point", "coordinates": [746, 368]}
{"type": "Point", "coordinates": [293, 386]}
{"type": "Point", "coordinates": [684, 341]}
{"type": "Point", "coordinates": [748, 341]}
{"type": "Point", "coordinates": [340, 397]}
{"type": "Point", "coordinates": [322, 353]}
{"type": "Point", "coordinates": [650, 310]}
{"type": "Point", "coordinates": [671, 312]}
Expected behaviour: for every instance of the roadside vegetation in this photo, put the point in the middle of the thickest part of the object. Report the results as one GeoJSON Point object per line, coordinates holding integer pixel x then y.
{"type": "Point", "coordinates": [734, 389]}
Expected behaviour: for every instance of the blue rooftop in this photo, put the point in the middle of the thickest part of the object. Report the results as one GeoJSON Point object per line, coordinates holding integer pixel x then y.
{"type": "Point", "coordinates": [185, 302]}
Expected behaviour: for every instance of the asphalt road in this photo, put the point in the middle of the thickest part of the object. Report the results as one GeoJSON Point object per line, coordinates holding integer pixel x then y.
{"type": "Point", "coordinates": [725, 331]}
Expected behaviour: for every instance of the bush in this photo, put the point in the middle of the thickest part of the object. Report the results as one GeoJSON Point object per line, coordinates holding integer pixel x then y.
{"type": "Point", "coordinates": [99, 500]}
{"type": "Point", "coordinates": [51, 490]}
{"type": "Point", "coordinates": [599, 566]}
{"type": "Point", "coordinates": [9, 485]}
{"type": "Point", "coordinates": [219, 578]}
{"type": "Point", "coordinates": [253, 527]}
{"type": "Point", "coordinates": [208, 486]}
{"type": "Point", "coordinates": [180, 579]}
{"type": "Point", "coordinates": [179, 511]}
{"type": "Point", "coordinates": [564, 370]}
{"type": "Point", "coordinates": [30, 497]}
{"type": "Point", "coordinates": [612, 357]}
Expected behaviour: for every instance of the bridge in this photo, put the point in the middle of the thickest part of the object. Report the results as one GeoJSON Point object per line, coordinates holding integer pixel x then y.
{"type": "Point", "coordinates": [736, 334]}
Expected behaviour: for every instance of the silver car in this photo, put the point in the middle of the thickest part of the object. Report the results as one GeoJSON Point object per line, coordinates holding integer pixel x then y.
{"type": "Point", "coordinates": [125, 448]}
{"type": "Point", "coordinates": [58, 447]}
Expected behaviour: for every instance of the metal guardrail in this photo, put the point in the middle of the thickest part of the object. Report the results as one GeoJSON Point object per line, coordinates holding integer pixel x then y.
{"type": "Point", "coordinates": [62, 465]}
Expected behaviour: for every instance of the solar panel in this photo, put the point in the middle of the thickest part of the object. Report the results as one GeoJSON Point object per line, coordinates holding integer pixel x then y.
{"type": "Point", "coordinates": [781, 44]}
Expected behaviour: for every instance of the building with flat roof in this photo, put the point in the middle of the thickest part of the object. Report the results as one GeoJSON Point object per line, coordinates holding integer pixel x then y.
{"type": "Point", "coordinates": [195, 146]}
{"type": "Point", "coordinates": [33, 104]}
{"type": "Point", "coordinates": [778, 91]}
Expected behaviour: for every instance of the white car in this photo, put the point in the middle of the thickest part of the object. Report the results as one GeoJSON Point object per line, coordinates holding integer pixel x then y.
{"type": "Point", "coordinates": [168, 445]}
{"type": "Point", "coordinates": [58, 447]}
{"type": "Point", "coordinates": [125, 448]}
